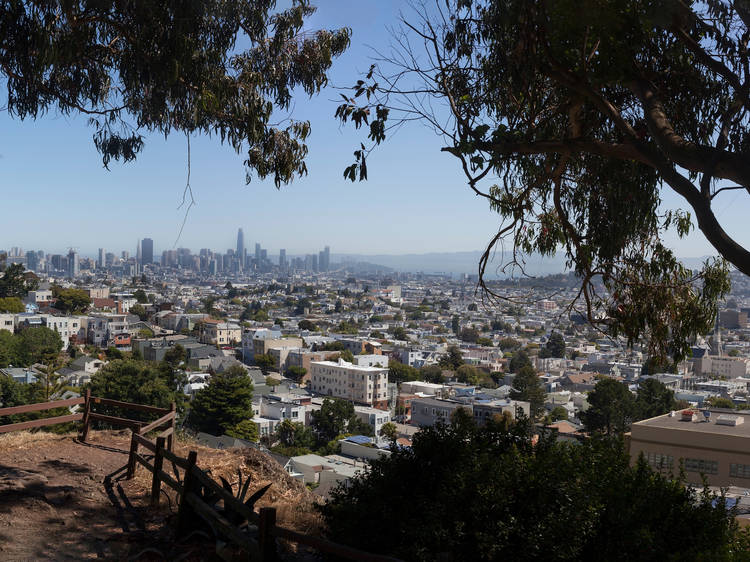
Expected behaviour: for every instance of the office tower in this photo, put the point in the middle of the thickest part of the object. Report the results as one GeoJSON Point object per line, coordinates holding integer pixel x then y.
{"type": "Point", "coordinates": [327, 264]}
{"type": "Point", "coordinates": [241, 248]}
{"type": "Point", "coordinates": [321, 260]}
{"type": "Point", "coordinates": [100, 263]}
{"type": "Point", "coordinates": [147, 251]}
{"type": "Point", "coordinates": [138, 252]}
{"type": "Point", "coordinates": [257, 253]}
{"type": "Point", "coordinates": [73, 264]}
{"type": "Point", "coordinates": [32, 261]}
{"type": "Point", "coordinates": [315, 262]}
{"type": "Point", "coordinates": [125, 255]}
{"type": "Point", "coordinates": [282, 258]}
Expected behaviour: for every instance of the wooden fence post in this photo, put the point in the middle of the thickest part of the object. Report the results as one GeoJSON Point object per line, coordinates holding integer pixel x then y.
{"type": "Point", "coordinates": [265, 538]}
{"type": "Point", "coordinates": [86, 419]}
{"type": "Point", "coordinates": [185, 512]}
{"type": "Point", "coordinates": [133, 452]}
{"type": "Point", "coordinates": [158, 463]}
{"type": "Point", "coordinates": [170, 439]}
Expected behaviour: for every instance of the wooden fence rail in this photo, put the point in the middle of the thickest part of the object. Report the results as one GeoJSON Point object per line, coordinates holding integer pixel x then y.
{"type": "Point", "coordinates": [168, 416]}
{"type": "Point", "coordinates": [39, 408]}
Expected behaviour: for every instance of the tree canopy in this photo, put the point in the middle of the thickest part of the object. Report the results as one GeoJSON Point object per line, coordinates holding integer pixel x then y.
{"type": "Point", "coordinates": [139, 382]}
{"type": "Point", "coordinates": [572, 120]}
{"type": "Point", "coordinates": [70, 301]}
{"type": "Point", "coordinates": [29, 346]}
{"type": "Point", "coordinates": [11, 304]}
{"type": "Point", "coordinates": [555, 346]}
{"type": "Point", "coordinates": [489, 494]}
{"type": "Point", "coordinates": [452, 359]}
{"type": "Point", "coordinates": [224, 403]}
{"type": "Point", "coordinates": [528, 387]}
{"type": "Point", "coordinates": [612, 407]}
{"type": "Point", "coordinates": [15, 282]}
{"type": "Point", "coordinates": [222, 68]}
{"type": "Point", "coordinates": [336, 417]}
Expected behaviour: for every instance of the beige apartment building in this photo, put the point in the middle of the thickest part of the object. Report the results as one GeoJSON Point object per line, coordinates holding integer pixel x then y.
{"type": "Point", "coordinates": [221, 333]}
{"type": "Point", "coordinates": [341, 379]}
{"type": "Point", "coordinates": [717, 446]}
{"type": "Point", "coordinates": [712, 366]}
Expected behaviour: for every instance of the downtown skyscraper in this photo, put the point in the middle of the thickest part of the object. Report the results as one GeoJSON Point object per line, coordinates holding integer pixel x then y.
{"type": "Point", "coordinates": [241, 248]}
{"type": "Point", "coordinates": [147, 251]}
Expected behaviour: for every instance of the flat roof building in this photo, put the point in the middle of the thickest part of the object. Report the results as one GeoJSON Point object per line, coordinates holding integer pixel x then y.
{"type": "Point", "coordinates": [716, 444]}
{"type": "Point", "coordinates": [341, 379]}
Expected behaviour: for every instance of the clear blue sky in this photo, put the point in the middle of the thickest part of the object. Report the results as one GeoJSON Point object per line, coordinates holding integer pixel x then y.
{"type": "Point", "coordinates": [56, 194]}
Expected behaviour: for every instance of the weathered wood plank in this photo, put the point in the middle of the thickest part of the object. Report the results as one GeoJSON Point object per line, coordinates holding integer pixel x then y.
{"type": "Point", "coordinates": [171, 482]}
{"type": "Point", "coordinates": [222, 525]}
{"type": "Point", "coordinates": [158, 423]}
{"type": "Point", "coordinates": [179, 461]}
{"type": "Point", "coordinates": [167, 432]}
{"type": "Point", "coordinates": [143, 462]}
{"type": "Point", "coordinates": [128, 405]}
{"type": "Point", "coordinates": [39, 406]}
{"type": "Point", "coordinates": [39, 423]}
{"type": "Point", "coordinates": [115, 420]}
{"type": "Point", "coordinates": [141, 440]}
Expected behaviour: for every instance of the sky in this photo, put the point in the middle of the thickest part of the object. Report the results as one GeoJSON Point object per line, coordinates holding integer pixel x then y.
{"type": "Point", "coordinates": [57, 195]}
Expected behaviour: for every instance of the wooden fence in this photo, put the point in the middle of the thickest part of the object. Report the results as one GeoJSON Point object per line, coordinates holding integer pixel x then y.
{"type": "Point", "coordinates": [88, 414]}
{"type": "Point", "coordinates": [257, 537]}
{"type": "Point", "coordinates": [195, 485]}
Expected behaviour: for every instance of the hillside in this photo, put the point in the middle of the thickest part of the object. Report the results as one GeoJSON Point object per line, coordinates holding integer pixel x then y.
{"type": "Point", "coordinates": [65, 500]}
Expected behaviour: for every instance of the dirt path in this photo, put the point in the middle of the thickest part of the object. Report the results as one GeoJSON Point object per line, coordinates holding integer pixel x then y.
{"type": "Point", "coordinates": [65, 500]}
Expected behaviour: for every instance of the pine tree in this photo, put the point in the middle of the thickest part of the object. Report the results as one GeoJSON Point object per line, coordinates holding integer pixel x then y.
{"type": "Point", "coordinates": [528, 387]}
{"type": "Point", "coordinates": [224, 403]}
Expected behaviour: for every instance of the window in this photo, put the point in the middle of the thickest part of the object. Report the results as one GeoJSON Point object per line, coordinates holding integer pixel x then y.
{"type": "Point", "coordinates": [739, 470]}
{"type": "Point", "coordinates": [702, 465]}
{"type": "Point", "coordinates": [657, 460]}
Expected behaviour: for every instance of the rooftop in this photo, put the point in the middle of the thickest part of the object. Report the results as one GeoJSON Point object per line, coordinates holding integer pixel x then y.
{"type": "Point", "coordinates": [711, 426]}
{"type": "Point", "coordinates": [347, 365]}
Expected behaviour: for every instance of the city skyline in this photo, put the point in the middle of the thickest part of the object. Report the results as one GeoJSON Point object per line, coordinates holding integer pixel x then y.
{"type": "Point", "coordinates": [415, 201]}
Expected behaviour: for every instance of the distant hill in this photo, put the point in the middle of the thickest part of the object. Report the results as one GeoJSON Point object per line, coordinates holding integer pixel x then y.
{"type": "Point", "coordinates": [458, 263]}
{"type": "Point", "coordinates": [452, 263]}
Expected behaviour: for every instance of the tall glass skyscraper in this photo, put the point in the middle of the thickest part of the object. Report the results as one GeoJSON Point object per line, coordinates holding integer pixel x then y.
{"type": "Point", "coordinates": [241, 248]}
{"type": "Point", "coordinates": [147, 251]}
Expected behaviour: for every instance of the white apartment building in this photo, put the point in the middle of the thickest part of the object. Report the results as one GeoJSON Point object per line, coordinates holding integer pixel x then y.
{"type": "Point", "coordinates": [69, 328]}
{"type": "Point", "coordinates": [102, 327]}
{"type": "Point", "coordinates": [273, 408]}
{"type": "Point", "coordinates": [341, 379]}
{"type": "Point", "coordinates": [7, 322]}
{"type": "Point", "coordinates": [38, 296]}
{"type": "Point", "coordinates": [371, 360]}
{"type": "Point", "coordinates": [375, 418]}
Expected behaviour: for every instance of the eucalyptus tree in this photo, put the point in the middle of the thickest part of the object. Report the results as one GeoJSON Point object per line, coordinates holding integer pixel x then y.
{"type": "Point", "coordinates": [218, 67]}
{"type": "Point", "coordinates": [572, 119]}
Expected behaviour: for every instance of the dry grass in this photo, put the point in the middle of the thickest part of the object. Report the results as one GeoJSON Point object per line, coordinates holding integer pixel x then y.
{"type": "Point", "coordinates": [295, 504]}
{"type": "Point", "coordinates": [27, 439]}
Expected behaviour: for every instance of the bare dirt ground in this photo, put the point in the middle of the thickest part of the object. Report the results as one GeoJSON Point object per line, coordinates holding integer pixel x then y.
{"type": "Point", "coordinates": [61, 499]}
